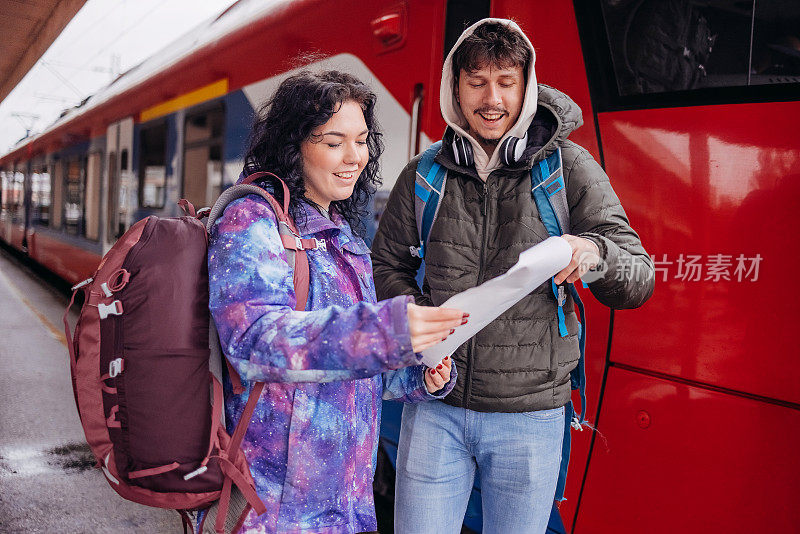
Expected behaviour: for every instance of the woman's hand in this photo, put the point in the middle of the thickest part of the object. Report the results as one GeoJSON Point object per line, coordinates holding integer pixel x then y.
{"type": "Point", "coordinates": [435, 379]}
{"type": "Point", "coordinates": [430, 325]}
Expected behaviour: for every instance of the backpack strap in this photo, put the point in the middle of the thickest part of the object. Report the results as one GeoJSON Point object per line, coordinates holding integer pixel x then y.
{"type": "Point", "coordinates": [549, 193]}
{"type": "Point", "coordinates": [550, 178]}
{"type": "Point", "coordinates": [428, 192]}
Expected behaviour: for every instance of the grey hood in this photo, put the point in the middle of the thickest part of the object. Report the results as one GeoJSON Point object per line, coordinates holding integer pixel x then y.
{"type": "Point", "coordinates": [451, 111]}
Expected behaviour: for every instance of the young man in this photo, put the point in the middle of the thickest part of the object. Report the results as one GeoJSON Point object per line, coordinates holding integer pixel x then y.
{"type": "Point", "coordinates": [505, 416]}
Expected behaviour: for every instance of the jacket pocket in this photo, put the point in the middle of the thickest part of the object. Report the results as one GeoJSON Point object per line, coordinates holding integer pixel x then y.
{"type": "Point", "coordinates": [314, 491]}
{"type": "Point", "coordinates": [358, 257]}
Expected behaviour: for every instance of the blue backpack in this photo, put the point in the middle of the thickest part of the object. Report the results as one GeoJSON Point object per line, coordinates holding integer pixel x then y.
{"type": "Point", "coordinates": [550, 195]}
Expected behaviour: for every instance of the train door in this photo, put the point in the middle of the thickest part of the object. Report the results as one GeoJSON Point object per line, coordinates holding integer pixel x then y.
{"type": "Point", "coordinates": [17, 226]}
{"type": "Point", "coordinates": [118, 181]}
{"type": "Point", "coordinates": [26, 202]}
{"type": "Point", "coordinates": [5, 188]}
{"type": "Point", "coordinates": [202, 154]}
{"type": "Point", "coordinates": [697, 110]}
{"type": "Point", "coordinates": [39, 202]}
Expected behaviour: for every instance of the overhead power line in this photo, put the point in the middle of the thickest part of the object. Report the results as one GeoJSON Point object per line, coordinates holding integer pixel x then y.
{"type": "Point", "coordinates": [63, 79]}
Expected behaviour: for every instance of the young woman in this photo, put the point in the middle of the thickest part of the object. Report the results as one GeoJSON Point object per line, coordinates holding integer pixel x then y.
{"type": "Point", "coordinates": [312, 440]}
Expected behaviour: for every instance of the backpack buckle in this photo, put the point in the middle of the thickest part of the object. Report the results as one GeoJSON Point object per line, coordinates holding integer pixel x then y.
{"type": "Point", "coordinates": [115, 308]}
{"type": "Point", "coordinates": [81, 284]}
{"type": "Point", "coordinates": [199, 471]}
{"type": "Point", "coordinates": [562, 296]}
{"type": "Point", "coordinates": [106, 291]}
{"type": "Point", "coordinates": [115, 367]}
{"type": "Point", "coordinates": [298, 243]}
{"type": "Point", "coordinates": [106, 472]}
{"type": "Point", "coordinates": [321, 245]}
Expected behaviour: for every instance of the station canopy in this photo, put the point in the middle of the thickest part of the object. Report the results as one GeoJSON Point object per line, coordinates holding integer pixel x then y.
{"type": "Point", "coordinates": [27, 29]}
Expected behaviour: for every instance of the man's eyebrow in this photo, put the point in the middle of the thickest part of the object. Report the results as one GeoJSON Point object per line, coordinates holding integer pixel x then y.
{"type": "Point", "coordinates": [501, 72]}
{"type": "Point", "coordinates": [340, 134]}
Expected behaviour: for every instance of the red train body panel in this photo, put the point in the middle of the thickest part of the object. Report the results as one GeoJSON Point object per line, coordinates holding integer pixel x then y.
{"type": "Point", "coordinates": [708, 181]}
{"type": "Point", "coordinates": [68, 262]}
{"type": "Point", "coordinates": [695, 394]}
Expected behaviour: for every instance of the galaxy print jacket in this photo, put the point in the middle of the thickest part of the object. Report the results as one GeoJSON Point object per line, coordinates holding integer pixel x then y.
{"type": "Point", "coordinates": [313, 437]}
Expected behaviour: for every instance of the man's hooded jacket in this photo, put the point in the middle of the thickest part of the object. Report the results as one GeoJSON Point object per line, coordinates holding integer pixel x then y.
{"type": "Point", "coordinates": [487, 217]}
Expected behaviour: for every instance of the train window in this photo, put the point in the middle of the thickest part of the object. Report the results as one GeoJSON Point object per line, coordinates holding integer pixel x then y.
{"type": "Point", "coordinates": [73, 196]}
{"type": "Point", "coordinates": [672, 45]}
{"type": "Point", "coordinates": [775, 55]}
{"type": "Point", "coordinates": [5, 191]}
{"type": "Point", "coordinates": [58, 194]}
{"type": "Point", "coordinates": [460, 15]}
{"type": "Point", "coordinates": [40, 195]}
{"type": "Point", "coordinates": [658, 47]}
{"type": "Point", "coordinates": [112, 195]}
{"type": "Point", "coordinates": [4, 183]}
{"type": "Point", "coordinates": [153, 166]}
{"type": "Point", "coordinates": [202, 156]}
{"type": "Point", "coordinates": [93, 169]}
{"type": "Point", "coordinates": [16, 197]}
{"type": "Point", "coordinates": [12, 193]}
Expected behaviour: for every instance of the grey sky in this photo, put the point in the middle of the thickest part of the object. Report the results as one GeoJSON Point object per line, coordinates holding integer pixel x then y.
{"type": "Point", "coordinates": [105, 36]}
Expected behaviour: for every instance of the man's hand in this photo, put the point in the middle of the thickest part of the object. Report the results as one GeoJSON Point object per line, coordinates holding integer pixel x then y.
{"type": "Point", "coordinates": [585, 256]}
{"type": "Point", "coordinates": [435, 379]}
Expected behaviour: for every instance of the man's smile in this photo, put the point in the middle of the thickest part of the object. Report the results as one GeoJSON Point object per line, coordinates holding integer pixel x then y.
{"type": "Point", "coordinates": [491, 116]}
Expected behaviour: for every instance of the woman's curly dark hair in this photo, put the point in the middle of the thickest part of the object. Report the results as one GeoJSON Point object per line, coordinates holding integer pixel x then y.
{"type": "Point", "coordinates": [303, 102]}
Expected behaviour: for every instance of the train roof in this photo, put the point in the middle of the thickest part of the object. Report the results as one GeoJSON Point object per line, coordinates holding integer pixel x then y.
{"type": "Point", "coordinates": [241, 14]}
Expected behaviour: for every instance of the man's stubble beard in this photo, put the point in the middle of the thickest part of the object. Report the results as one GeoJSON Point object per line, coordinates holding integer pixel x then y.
{"type": "Point", "coordinates": [488, 142]}
{"type": "Point", "coordinates": [487, 145]}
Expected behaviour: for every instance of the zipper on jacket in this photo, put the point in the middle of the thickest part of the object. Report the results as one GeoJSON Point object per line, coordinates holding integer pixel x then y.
{"type": "Point", "coordinates": [484, 243]}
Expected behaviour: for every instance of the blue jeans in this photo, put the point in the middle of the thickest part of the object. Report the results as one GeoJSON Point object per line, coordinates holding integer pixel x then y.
{"type": "Point", "coordinates": [516, 456]}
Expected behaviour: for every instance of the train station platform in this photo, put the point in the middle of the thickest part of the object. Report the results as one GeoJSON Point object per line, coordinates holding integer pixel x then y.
{"type": "Point", "coordinates": [48, 482]}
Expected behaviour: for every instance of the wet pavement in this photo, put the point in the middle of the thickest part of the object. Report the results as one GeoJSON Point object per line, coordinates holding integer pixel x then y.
{"type": "Point", "coordinates": [48, 482]}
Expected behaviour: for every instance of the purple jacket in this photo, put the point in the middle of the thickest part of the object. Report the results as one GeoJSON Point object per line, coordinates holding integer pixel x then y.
{"type": "Point", "coordinates": [313, 438]}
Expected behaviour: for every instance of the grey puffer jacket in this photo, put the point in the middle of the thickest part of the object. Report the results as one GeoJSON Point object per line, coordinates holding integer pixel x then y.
{"type": "Point", "coordinates": [519, 362]}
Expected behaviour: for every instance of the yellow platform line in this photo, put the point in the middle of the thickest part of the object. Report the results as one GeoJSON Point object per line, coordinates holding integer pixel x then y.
{"type": "Point", "coordinates": [55, 332]}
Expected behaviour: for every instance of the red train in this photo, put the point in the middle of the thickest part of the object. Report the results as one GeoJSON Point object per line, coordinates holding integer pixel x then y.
{"type": "Point", "coordinates": [691, 107]}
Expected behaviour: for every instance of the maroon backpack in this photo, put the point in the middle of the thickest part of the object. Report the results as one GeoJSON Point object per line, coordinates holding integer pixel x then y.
{"type": "Point", "coordinates": [146, 366]}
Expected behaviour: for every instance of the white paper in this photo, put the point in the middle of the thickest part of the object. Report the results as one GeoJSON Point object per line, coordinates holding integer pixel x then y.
{"type": "Point", "coordinates": [487, 301]}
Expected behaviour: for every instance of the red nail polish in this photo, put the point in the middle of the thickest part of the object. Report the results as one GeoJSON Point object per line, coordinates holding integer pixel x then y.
{"type": "Point", "coordinates": [464, 320]}
{"type": "Point", "coordinates": [433, 372]}
{"type": "Point", "coordinates": [439, 366]}
{"type": "Point", "coordinates": [446, 358]}
{"type": "Point", "coordinates": [466, 315]}
{"type": "Point", "coordinates": [453, 330]}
